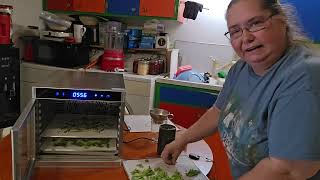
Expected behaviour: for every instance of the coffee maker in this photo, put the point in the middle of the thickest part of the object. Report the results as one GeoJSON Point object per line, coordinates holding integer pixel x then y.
{"type": "Point", "coordinates": [9, 72]}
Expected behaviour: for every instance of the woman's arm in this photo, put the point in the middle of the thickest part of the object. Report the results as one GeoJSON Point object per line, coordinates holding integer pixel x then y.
{"type": "Point", "coordinates": [280, 169]}
{"type": "Point", "coordinates": [206, 125]}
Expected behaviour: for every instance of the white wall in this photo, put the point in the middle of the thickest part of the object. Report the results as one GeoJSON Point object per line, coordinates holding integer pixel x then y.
{"type": "Point", "coordinates": [25, 12]}
{"type": "Point", "coordinates": [202, 38]}
{"type": "Point", "coordinates": [209, 26]}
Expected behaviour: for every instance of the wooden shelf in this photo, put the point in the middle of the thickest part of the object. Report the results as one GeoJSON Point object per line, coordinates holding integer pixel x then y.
{"type": "Point", "coordinates": [146, 50]}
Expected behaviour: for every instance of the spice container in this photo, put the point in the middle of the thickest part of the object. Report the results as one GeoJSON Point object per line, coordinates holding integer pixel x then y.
{"type": "Point", "coordinates": [135, 65]}
{"type": "Point", "coordinates": [143, 67]}
{"type": "Point", "coordinates": [154, 67]}
{"type": "Point", "coordinates": [161, 64]}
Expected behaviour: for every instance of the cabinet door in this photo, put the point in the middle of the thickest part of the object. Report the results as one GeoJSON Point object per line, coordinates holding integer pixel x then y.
{"type": "Point", "coordinates": [60, 5]}
{"type": "Point", "coordinates": [183, 115]}
{"type": "Point", "coordinates": [124, 7]}
{"type": "Point", "coordinates": [23, 143]}
{"type": "Point", "coordinates": [97, 6]}
{"type": "Point", "coordinates": [158, 8]}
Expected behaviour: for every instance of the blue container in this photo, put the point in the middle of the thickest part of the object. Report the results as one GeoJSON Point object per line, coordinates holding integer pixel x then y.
{"type": "Point", "coordinates": [133, 44]}
{"type": "Point", "coordinates": [135, 33]}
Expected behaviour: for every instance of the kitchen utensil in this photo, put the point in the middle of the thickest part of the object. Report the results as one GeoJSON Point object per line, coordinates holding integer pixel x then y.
{"type": "Point", "coordinates": [167, 133]}
{"type": "Point", "coordinates": [54, 22]}
{"type": "Point", "coordinates": [160, 115]}
{"type": "Point", "coordinates": [88, 20]}
{"type": "Point", "coordinates": [79, 31]}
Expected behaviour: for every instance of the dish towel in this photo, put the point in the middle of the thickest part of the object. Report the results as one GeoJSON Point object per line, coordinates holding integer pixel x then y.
{"type": "Point", "coordinates": [191, 10]}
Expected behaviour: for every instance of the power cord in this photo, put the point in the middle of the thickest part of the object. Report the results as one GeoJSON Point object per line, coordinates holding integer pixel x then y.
{"type": "Point", "coordinates": [154, 140]}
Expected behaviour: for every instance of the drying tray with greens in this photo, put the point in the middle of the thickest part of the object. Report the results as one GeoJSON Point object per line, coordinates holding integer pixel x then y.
{"type": "Point", "coordinates": [89, 126]}
{"type": "Point", "coordinates": [156, 169]}
{"type": "Point", "coordinates": [76, 133]}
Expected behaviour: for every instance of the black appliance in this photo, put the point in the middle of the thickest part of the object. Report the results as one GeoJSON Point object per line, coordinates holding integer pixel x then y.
{"type": "Point", "coordinates": [61, 54]}
{"type": "Point", "coordinates": [9, 85]}
{"type": "Point", "coordinates": [91, 36]}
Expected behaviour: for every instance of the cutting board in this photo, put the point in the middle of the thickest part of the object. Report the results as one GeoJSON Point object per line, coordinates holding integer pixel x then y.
{"type": "Point", "coordinates": [183, 165]}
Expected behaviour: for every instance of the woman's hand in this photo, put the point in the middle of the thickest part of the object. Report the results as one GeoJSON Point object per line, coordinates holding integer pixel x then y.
{"type": "Point", "coordinates": [172, 151]}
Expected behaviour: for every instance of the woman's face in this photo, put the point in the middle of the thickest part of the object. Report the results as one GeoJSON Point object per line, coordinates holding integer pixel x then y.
{"type": "Point", "coordinates": [262, 48]}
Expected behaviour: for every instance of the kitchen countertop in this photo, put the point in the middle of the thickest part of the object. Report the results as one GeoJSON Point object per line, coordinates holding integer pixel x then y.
{"type": "Point", "coordinates": [136, 150]}
{"type": "Point", "coordinates": [126, 75]}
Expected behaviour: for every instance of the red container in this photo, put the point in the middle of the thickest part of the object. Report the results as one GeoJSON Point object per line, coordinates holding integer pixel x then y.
{"type": "Point", "coordinates": [5, 24]}
{"type": "Point", "coordinates": [112, 60]}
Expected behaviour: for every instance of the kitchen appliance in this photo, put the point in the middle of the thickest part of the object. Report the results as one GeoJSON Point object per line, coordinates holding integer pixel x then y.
{"type": "Point", "coordinates": [162, 41]}
{"type": "Point", "coordinates": [91, 37]}
{"type": "Point", "coordinates": [74, 121]}
{"type": "Point", "coordinates": [61, 54]}
{"type": "Point", "coordinates": [5, 24]}
{"type": "Point", "coordinates": [9, 85]}
{"type": "Point", "coordinates": [28, 48]}
{"type": "Point", "coordinates": [113, 57]}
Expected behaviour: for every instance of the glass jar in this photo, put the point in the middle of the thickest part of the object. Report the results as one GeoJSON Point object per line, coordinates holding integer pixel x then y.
{"type": "Point", "coordinates": [135, 65]}
{"type": "Point", "coordinates": [161, 64]}
{"type": "Point", "coordinates": [143, 67]}
{"type": "Point", "coordinates": [154, 67]}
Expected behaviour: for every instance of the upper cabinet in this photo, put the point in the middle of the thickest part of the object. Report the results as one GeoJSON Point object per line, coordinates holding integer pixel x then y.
{"type": "Point", "coordinates": [164, 9]}
{"type": "Point", "coordinates": [158, 8]}
{"type": "Point", "coordinates": [94, 6]}
{"type": "Point", "coordinates": [60, 5]}
{"type": "Point", "coordinates": [123, 7]}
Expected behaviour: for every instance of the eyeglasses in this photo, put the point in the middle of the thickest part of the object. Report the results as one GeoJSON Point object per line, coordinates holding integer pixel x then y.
{"type": "Point", "coordinates": [253, 25]}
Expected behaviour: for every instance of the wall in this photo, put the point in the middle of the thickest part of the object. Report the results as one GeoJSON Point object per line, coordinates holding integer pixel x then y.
{"type": "Point", "coordinates": [26, 12]}
{"type": "Point", "coordinates": [205, 34]}
{"type": "Point", "coordinates": [202, 39]}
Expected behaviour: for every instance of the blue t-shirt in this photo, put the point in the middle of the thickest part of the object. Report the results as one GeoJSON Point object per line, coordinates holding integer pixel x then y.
{"type": "Point", "coordinates": [277, 114]}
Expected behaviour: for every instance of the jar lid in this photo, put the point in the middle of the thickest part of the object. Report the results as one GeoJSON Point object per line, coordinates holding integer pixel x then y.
{"type": "Point", "coordinates": [6, 9]}
{"type": "Point", "coordinates": [143, 62]}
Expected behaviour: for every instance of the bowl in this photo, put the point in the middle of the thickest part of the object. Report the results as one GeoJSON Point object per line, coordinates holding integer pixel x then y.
{"type": "Point", "coordinates": [160, 115]}
{"type": "Point", "coordinates": [89, 20]}
{"type": "Point", "coordinates": [56, 27]}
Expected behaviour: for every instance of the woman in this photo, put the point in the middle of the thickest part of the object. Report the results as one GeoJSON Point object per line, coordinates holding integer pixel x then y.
{"type": "Point", "coordinates": [268, 111]}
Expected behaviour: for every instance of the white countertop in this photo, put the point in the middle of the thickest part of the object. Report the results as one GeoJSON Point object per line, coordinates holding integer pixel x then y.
{"type": "Point", "coordinates": [126, 75]}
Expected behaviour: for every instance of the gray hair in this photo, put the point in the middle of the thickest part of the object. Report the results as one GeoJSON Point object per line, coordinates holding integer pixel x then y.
{"type": "Point", "coordinates": [288, 12]}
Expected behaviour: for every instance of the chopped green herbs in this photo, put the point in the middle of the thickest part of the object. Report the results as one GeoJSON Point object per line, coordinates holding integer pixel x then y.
{"type": "Point", "coordinates": [153, 174]}
{"type": "Point", "coordinates": [84, 142]}
{"type": "Point", "coordinates": [192, 173]}
{"type": "Point", "coordinates": [86, 123]}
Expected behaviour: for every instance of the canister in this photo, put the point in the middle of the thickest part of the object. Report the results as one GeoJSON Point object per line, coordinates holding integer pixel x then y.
{"type": "Point", "coordinates": [143, 67]}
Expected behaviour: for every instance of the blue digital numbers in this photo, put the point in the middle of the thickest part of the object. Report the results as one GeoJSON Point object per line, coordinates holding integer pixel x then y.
{"type": "Point", "coordinates": [79, 95]}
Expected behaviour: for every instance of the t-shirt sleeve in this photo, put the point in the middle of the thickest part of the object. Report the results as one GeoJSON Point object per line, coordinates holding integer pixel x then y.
{"type": "Point", "coordinates": [293, 132]}
{"type": "Point", "coordinates": [225, 92]}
